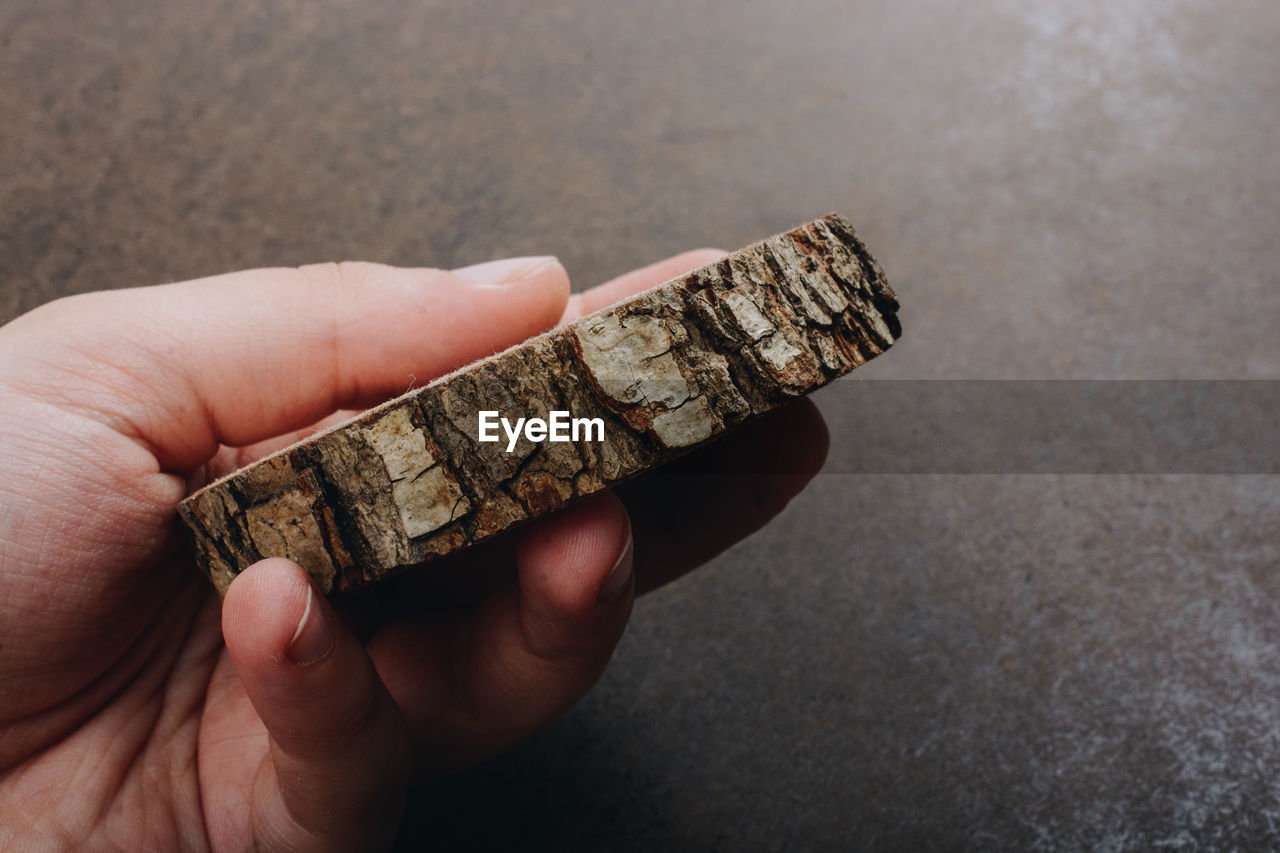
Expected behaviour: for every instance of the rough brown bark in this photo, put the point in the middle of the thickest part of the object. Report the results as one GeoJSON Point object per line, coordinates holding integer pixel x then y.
{"type": "Point", "coordinates": [667, 370]}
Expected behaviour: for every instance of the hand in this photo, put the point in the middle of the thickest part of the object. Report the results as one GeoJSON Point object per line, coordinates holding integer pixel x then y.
{"type": "Point", "coordinates": [138, 711]}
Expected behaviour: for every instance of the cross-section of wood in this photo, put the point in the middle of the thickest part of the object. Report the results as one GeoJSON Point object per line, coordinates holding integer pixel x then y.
{"type": "Point", "coordinates": [665, 371]}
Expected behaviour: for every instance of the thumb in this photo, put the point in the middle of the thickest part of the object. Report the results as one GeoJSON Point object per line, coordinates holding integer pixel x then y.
{"type": "Point", "coordinates": [339, 762]}
{"type": "Point", "coordinates": [238, 358]}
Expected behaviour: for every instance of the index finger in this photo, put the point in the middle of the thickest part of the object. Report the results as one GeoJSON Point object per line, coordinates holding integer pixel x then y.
{"type": "Point", "coordinates": [615, 290]}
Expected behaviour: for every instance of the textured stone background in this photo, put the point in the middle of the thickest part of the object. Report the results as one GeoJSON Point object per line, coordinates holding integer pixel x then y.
{"type": "Point", "coordinates": [1057, 189]}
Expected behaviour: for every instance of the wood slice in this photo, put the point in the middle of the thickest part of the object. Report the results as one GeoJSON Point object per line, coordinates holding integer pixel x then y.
{"type": "Point", "coordinates": [664, 372]}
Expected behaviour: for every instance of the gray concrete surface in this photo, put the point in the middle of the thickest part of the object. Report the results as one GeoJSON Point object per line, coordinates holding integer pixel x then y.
{"type": "Point", "coordinates": [1057, 190]}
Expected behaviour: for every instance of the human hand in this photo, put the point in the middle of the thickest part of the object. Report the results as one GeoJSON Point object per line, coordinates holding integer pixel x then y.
{"type": "Point", "coordinates": [139, 711]}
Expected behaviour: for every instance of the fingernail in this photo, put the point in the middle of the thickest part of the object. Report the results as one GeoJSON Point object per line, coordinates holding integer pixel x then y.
{"type": "Point", "coordinates": [505, 272]}
{"type": "Point", "coordinates": [312, 640]}
{"type": "Point", "coordinates": [618, 581]}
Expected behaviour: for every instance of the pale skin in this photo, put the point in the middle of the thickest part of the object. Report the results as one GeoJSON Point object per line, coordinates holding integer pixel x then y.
{"type": "Point", "coordinates": [140, 712]}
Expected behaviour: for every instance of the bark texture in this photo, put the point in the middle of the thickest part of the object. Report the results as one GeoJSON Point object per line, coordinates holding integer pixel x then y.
{"type": "Point", "coordinates": [667, 370]}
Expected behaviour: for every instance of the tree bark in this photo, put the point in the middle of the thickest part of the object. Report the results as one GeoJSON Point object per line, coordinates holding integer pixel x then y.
{"type": "Point", "coordinates": [666, 371]}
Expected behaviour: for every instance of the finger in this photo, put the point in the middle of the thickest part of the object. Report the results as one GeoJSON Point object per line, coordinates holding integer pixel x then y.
{"type": "Point", "coordinates": [683, 514]}
{"type": "Point", "coordinates": [229, 459]}
{"type": "Point", "coordinates": [470, 688]}
{"type": "Point", "coordinates": [239, 358]}
{"type": "Point", "coordinates": [691, 510]}
{"type": "Point", "coordinates": [256, 451]}
{"type": "Point", "coordinates": [581, 304]}
{"type": "Point", "coordinates": [339, 764]}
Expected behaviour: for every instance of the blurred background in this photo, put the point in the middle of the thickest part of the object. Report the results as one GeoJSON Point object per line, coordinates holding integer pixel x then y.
{"type": "Point", "coordinates": [1057, 190]}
